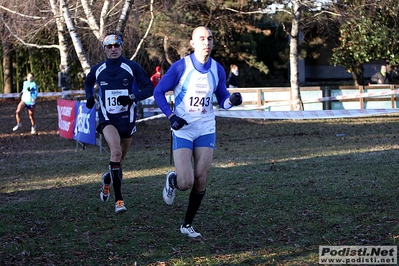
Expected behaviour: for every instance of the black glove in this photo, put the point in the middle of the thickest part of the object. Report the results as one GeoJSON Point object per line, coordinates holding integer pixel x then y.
{"type": "Point", "coordinates": [125, 99]}
{"type": "Point", "coordinates": [235, 98]}
{"type": "Point", "coordinates": [177, 122]}
{"type": "Point", "coordinates": [90, 102]}
{"type": "Point", "coordinates": [29, 89]}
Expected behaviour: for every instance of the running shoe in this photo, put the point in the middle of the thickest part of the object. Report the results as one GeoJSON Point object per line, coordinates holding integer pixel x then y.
{"type": "Point", "coordinates": [189, 231]}
{"type": "Point", "coordinates": [120, 207]}
{"type": "Point", "coordinates": [105, 191]}
{"type": "Point", "coordinates": [168, 192]}
{"type": "Point", "coordinates": [16, 127]}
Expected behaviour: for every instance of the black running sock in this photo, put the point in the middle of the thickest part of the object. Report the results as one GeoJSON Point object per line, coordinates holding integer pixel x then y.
{"type": "Point", "coordinates": [194, 203]}
{"type": "Point", "coordinates": [114, 169]}
{"type": "Point", "coordinates": [173, 181]}
{"type": "Point", "coordinates": [107, 178]}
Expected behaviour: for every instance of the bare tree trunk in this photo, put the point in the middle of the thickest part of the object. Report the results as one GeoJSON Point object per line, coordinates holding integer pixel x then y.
{"type": "Point", "coordinates": [294, 44]}
{"type": "Point", "coordinates": [166, 49]}
{"type": "Point", "coordinates": [7, 51]}
{"type": "Point", "coordinates": [74, 36]}
{"type": "Point", "coordinates": [91, 19]}
{"type": "Point", "coordinates": [125, 14]}
{"type": "Point", "coordinates": [103, 15]}
{"type": "Point", "coordinates": [64, 54]}
{"type": "Point", "coordinates": [355, 78]}
{"type": "Point", "coordinates": [7, 67]}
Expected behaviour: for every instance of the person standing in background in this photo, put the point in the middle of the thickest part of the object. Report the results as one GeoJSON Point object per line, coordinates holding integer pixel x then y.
{"type": "Point", "coordinates": [156, 77]}
{"type": "Point", "coordinates": [232, 79]}
{"type": "Point", "coordinates": [28, 100]}
{"type": "Point", "coordinates": [382, 77]}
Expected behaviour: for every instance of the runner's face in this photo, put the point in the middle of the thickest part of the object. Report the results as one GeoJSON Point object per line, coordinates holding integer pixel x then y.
{"type": "Point", "coordinates": [202, 42]}
{"type": "Point", "coordinates": [113, 52]}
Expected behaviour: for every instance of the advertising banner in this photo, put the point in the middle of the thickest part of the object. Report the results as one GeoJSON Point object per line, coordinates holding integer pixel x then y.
{"type": "Point", "coordinates": [76, 121]}
{"type": "Point", "coordinates": [85, 124]}
{"type": "Point", "coordinates": [66, 117]}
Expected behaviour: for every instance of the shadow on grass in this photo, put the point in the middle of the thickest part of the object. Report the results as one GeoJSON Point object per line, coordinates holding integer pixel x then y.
{"type": "Point", "coordinates": [278, 190]}
{"type": "Point", "coordinates": [252, 215]}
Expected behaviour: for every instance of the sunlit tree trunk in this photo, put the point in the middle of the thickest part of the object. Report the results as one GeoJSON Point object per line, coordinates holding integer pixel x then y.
{"type": "Point", "coordinates": [125, 13]}
{"type": "Point", "coordinates": [294, 46]}
{"type": "Point", "coordinates": [64, 55]}
{"type": "Point", "coordinates": [97, 31]}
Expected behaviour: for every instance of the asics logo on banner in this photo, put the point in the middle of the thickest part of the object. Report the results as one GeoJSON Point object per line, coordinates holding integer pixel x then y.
{"type": "Point", "coordinates": [103, 83]}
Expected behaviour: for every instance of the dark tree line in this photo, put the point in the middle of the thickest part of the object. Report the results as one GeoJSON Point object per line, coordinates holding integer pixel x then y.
{"type": "Point", "coordinates": [42, 38]}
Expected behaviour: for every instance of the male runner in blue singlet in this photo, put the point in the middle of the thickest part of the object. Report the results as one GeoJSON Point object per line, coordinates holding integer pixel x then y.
{"type": "Point", "coordinates": [194, 80]}
{"type": "Point", "coordinates": [121, 84]}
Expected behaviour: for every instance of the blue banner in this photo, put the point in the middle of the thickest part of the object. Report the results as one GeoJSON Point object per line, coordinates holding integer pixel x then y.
{"type": "Point", "coordinates": [85, 124]}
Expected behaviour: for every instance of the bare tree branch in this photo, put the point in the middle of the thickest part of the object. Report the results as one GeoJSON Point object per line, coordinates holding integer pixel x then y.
{"type": "Point", "coordinates": [25, 43]}
{"type": "Point", "coordinates": [147, 32]}
{"type": "Point", "coordinates": [261, 11]}
{"type": "Point", "coordinates": [165, 47]}
{"type": "Point", "coordinates": [21, 15]}
{"type": "Point", "coordinates": [327, 12]}
{"type": "Point", "coordinates": [103, 15]}
{"type": "Point", "coordinates": [91, 21]}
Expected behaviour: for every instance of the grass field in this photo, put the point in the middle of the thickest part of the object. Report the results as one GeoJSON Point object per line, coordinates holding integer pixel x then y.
{"type": "Point", "coordinates": [277, 190]}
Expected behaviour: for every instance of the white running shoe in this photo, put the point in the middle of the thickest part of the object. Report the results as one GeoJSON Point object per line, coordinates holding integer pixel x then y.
{"type": "Point", "coordinates": [189, 231]}
{"type": "Point", "coordinates": [105, 192]}
{"type": "Point", "coordinates": [120, 207]}
{"type": "Point", "coordinates": [16, 127]}
{"type": "Point", "coordinates": [33, 130]}
{"type": "Point", "coordinates": [168, 193]}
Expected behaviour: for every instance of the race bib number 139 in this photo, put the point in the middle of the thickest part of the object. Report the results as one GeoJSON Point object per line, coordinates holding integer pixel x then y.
{"type": "Point", "coordinates": [111, 103]}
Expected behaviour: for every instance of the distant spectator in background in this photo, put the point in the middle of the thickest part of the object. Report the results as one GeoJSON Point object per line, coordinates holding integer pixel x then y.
{"type": "Point", "coordinates": [28, 100]}
{"type": "Point", "coordinates": [232, 78]}
{"type": "Point", "coordinates": [156, 77]}
{"type": "Point", "coordinates": [382, 77]}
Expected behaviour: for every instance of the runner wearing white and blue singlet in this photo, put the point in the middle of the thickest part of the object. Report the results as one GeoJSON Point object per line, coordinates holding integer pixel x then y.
{"type": "Point", "coordinates": [194, 80]}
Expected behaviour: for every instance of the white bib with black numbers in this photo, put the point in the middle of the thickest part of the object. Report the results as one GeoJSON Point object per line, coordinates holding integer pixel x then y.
{"type": "Point", "coordinates": [111, 100]}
